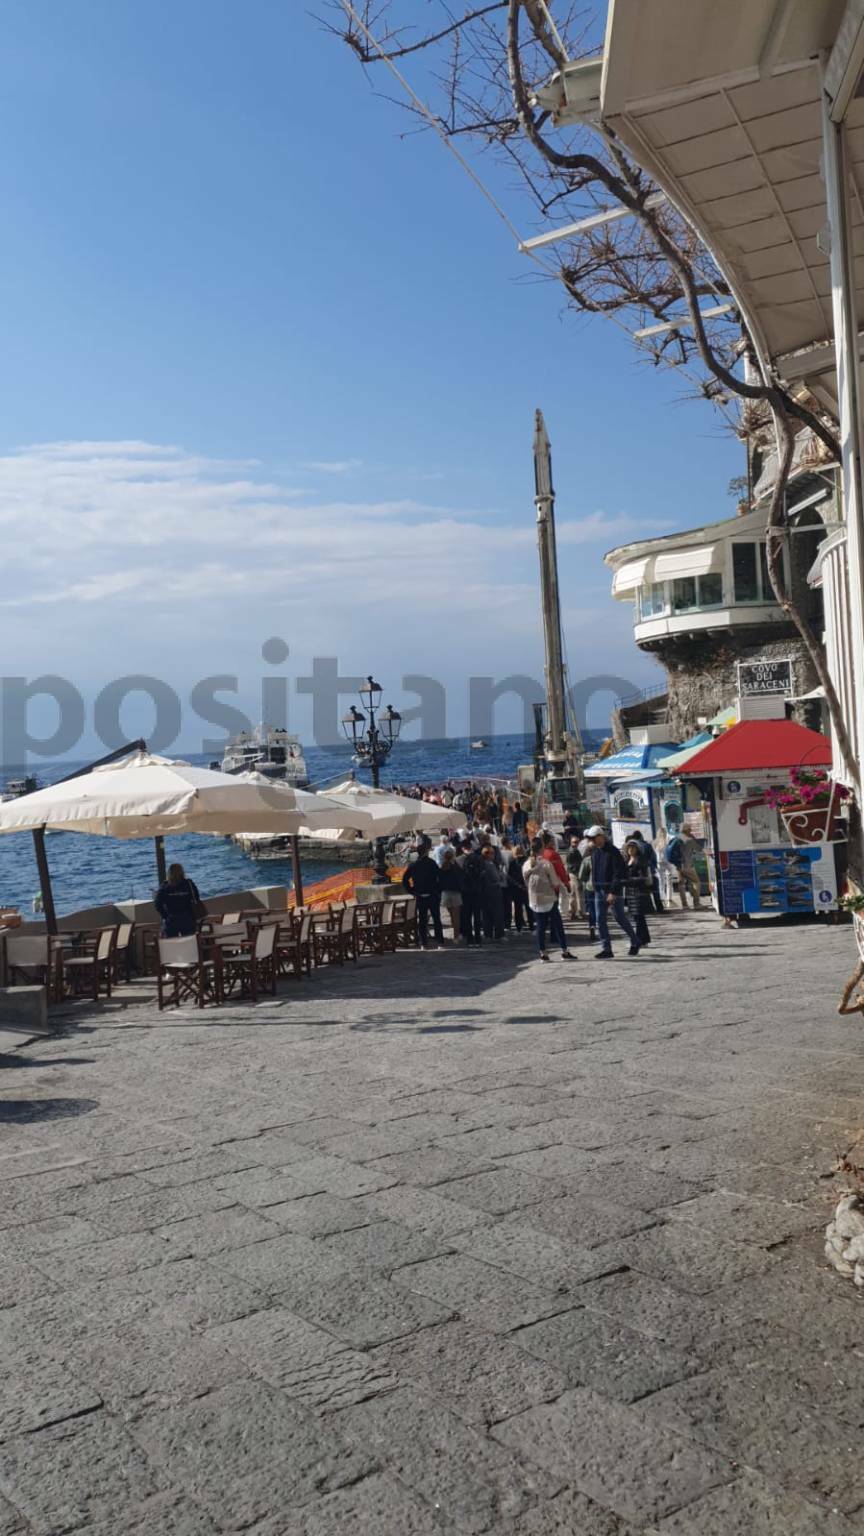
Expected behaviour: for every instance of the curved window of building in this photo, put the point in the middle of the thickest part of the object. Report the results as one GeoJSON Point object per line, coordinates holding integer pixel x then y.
{"type": "Point", "coordinates": [652, 601]}
{"type": "Point", "coordinates": [693, 592]}
{"type": "Point", "coordinates": [752, 583]}
{"type": "Point", "coordinates": [626, 810]}
{"type": "Point", "coordinates": [745, 573]}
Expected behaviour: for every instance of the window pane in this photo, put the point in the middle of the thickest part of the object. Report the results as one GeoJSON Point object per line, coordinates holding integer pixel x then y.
{"type": "Point", "coordinates": [651, 600]}
{"type": "Point", "coordinates": [710, 590]}
{"type": "Point", "coordinates": [683, 594]}
{"type": "Point", "coordinates": [745, 573]}
{"type": "Point", "coordinates": [767, 589]}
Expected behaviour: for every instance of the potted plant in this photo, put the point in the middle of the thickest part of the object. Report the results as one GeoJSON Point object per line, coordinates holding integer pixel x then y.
{"type": "Point", "coordinates": [810, 806]}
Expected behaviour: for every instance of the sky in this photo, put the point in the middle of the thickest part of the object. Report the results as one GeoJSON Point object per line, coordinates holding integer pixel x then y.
{"type": "Point", "coordinates": [268, 370]}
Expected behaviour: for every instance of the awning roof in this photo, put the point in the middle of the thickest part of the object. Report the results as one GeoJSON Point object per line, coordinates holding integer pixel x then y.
{"type": "Point", "coordinates": [629, 761]}
{"type": "Point", "coordinates": [685, 752]}
{"type": "Point", "coordinates": [672, 565]}
{"type": "Point", "coordinates": [761, 744]}
{"type": "Point", "coordinates": [721, 105]}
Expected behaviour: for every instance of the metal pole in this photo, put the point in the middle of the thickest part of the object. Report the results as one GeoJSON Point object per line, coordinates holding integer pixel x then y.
{"type": "Point", "coordinates": [380, 877]}
{"type": "Point", "coordinates": [161, 872]}
{"type": "Point", "coordinates": [44, 879]}
{"type": "Point", "coordinates": [849, 396]}
{"type": "Point", "coordinates": [297, 871]}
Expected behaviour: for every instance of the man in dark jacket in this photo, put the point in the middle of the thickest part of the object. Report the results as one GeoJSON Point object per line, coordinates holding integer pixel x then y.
{"type": "Point", "coordinates": [471, 864]}
{"type": "Point", "coordinates": [607, 877]}
{"type": "Point", "coordinates": [423, 880]}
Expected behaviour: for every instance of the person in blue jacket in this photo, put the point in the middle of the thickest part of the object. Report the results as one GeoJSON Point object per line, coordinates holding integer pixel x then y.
{"type": "Point", "coordinates": [607, 878]}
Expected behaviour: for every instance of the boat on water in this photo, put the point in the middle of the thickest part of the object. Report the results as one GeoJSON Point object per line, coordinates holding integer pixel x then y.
{"type": "Point", "coordinates": [15, 788]}
{"type": "Point", "coordinates": [480, 745]}
{"type": "Point", "coordinates": [268, 750]}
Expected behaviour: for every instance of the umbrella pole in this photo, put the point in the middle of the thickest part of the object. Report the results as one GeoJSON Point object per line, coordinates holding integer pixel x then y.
{"type": "Point", "coordinates": [44, 879]}
{"type": "Point", "coordinates": [161, 872]}
{"type": "Point", "coordinates": [297, 871]}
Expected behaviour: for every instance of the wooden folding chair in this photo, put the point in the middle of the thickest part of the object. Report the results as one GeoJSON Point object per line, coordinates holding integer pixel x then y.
{"type": "Point", "coordinates": [93, 969]}
{"type": "Point", "coordinates": [185, 972]}
{"type": "Point", "coordinates": [252, 969]}
{"type": "Point", "coordinates": [32, 960]}
{"type": "Point", "coordinates": [123, 953]}
{"type": "Point", "coordinates": [294, 954]}
{"type": "Point", "coordinates": [405, 920]}
{"type": "Point", "coordinates": [388, 928]}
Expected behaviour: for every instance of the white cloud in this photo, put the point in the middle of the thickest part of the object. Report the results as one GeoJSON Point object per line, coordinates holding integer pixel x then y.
{"type": "Point", "coordinates": [143, 557]}
{"type": "Point", "coordinates": [332, 466]}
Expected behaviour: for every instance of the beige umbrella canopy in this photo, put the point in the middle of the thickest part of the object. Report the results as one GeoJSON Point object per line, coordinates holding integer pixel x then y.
{"type": "Point", "coordinates": [148, 796]}
{"type": "Point", "coordinates": [391, 814]}
{"type": "Point", "coordinates": [141, 795]}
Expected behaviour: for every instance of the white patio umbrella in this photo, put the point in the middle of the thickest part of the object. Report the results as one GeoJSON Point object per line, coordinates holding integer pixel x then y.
{"type": "Point", "coordinates": [148, 796]}
{"type": "Point", "coordinates": [142, 795]}
{"type": "Point", "coordinates": [391, 814]}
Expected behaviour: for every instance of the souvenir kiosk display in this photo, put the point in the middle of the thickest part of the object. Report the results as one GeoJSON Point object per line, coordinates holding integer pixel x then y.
{"type": "Point", "coordinates": [773, 818]}
{"type": "Point", "coordinates": [624, 788]}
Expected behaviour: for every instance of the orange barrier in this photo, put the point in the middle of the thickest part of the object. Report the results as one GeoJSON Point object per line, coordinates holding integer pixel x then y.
{"type": "Point", "coordinates": [339, 887]}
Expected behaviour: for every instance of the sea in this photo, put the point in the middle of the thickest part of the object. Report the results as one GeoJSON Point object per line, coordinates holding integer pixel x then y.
{"type": "Point", "coordinates": [86, 871]}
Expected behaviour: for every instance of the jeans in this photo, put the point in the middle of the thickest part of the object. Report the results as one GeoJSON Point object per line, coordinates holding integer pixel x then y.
{"type": "Point", "coordinates": [522, 914]}
{"type": "Point", "coordinates": [472, 916]}
{"type": "Point", "coordinates": [601, 918]}
{"type": "Point", "coordinates": [429, 906]}
{"type": "Point", "coordinates": [550, 921]}
{"type": "Point", "coordinates": [493, 914]}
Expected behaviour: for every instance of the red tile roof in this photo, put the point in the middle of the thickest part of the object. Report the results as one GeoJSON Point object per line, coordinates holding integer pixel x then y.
{"type": "Point", "coordinates": [756, 744]}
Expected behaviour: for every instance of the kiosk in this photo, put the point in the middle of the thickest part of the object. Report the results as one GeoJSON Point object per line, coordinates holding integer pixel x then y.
{"type": "Point", "coordinates": [754, 867]}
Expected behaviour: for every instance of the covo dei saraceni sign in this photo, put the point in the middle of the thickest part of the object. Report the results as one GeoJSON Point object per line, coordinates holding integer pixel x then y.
{"type": "Point", "coordinates": [764, 679]}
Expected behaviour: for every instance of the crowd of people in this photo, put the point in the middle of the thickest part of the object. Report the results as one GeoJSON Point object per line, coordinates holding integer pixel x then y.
{"type": "Point", "coordinates": [487, 884]}
{"type": "Point", "coordinates": [484, 805]}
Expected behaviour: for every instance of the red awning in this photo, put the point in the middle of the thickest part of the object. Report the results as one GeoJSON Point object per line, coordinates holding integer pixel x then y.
{"type": "Point", "coordinates": [757, 744]}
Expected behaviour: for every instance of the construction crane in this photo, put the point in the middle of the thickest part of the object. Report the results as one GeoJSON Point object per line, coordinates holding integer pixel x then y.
{"type": "Point", "coordinates": [560, 770]}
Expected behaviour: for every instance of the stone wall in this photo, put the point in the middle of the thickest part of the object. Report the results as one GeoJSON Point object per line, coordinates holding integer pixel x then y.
{"type": "Point", "coordinates": [702, 674]}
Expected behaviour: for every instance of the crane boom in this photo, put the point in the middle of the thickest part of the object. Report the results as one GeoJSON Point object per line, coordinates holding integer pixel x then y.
{"type": "Point", "coordinates": [562, 749]}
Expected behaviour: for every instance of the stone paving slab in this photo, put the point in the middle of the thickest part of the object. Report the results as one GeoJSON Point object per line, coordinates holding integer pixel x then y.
{"type": "Point", "coordinates": [446, 1243]}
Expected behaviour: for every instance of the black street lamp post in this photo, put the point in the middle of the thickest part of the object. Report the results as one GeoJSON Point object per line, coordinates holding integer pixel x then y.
{"type": "Point", "coordinates": [373, 737]}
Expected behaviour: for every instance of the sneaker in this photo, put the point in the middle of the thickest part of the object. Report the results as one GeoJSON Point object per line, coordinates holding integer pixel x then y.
{"type": "Point", "coordinates": [604, 954]}
{"type": "Point", "coordinates": [543, 955]}
{"type": "Point", "coordinates": [566, 955]}
{"type": "Point", "coordinates": [633, 950]}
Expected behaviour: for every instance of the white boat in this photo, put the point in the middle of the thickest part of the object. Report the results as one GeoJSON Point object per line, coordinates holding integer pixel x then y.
{"type": "Point", "coordinates": [480, 745]}
{"type": "Point", "coordinates": [268, 750]}
{"type": "Point", "coordinates": [15, 788]}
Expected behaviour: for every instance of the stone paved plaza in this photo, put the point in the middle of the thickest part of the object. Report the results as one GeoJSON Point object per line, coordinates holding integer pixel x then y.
{"type": "Point", "coordinates": [446, 1243]}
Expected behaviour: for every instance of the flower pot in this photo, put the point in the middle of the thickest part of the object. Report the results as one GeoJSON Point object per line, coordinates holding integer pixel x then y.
{"type": "Point", "coordinates": [809, 824]}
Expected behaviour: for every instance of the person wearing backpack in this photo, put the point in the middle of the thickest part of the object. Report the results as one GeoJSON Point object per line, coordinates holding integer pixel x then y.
{"type": "Point", "coordinates": [544, 885]}
{"type": "Point", "coordinates": [680, 853]}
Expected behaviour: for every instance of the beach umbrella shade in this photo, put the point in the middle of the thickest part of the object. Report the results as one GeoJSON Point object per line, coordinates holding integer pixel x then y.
{"type": "Point", "coordinates": [392, 815]}
{"type": "Point", "coordinates": [147, 796]}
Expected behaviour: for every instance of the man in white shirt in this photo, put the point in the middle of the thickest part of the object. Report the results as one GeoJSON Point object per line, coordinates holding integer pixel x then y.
{"type": "Point", "coordinates": [444, 846]}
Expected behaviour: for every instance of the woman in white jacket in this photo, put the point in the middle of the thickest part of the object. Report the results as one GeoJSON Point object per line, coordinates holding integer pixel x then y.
{"type": "Point", "coordinates": [544, 885]}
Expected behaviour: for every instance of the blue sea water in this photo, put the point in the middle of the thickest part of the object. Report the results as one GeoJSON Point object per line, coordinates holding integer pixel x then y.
{"type": "Point", "coordinates": [88, 870]}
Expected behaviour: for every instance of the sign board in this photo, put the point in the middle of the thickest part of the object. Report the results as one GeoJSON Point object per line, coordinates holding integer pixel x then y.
{"type": "Point", "coordinates": [765, 679]}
